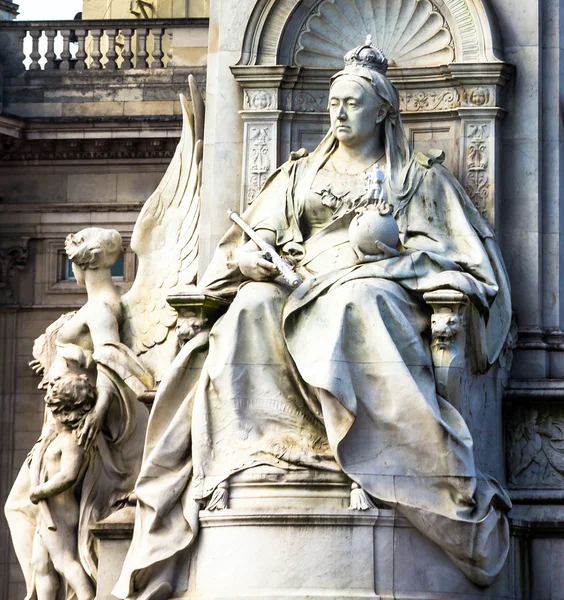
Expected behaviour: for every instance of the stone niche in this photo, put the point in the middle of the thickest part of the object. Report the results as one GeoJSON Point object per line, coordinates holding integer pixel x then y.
{"type": "Point", "coordinates": [445, 59]}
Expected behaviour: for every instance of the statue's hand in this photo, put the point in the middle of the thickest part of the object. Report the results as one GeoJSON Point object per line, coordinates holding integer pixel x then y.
{"type": "Point", "coordinates": [385, 252]}
{"type": "Point", "coordinates": [37, 367]}
{"type": "Point", "coordinates": [35, 495]}
{"type": "Point", "coordinates": [254, 266]}
{"type": "Point", "coordinates": [90, 428]}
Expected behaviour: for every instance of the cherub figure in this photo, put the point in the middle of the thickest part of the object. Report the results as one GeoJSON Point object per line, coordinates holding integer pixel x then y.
{"type": "Point", "coordinates": [57, 467]}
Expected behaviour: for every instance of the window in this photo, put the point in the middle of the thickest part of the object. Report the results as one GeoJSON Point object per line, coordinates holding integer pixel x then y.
{"type": "Point", "coordinates": [66, 273]}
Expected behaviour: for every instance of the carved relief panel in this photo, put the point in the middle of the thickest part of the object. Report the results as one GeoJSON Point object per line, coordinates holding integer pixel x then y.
{"type": "Point", "coordinates": [535, 447]}
{"type": "Point", "coordinates": [260, 115]}
{"type": "Point", "coordinates": [13, 260]}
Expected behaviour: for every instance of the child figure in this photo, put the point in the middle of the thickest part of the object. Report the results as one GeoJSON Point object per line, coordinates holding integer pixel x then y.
{"type": "Point", "coordinates": [57, 467]}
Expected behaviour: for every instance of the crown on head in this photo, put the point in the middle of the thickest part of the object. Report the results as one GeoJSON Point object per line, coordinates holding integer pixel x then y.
{"type": "Point", "coordinates": [367, 55]}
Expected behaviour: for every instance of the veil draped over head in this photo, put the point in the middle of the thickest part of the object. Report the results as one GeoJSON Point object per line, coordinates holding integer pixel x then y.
{"type": "Point", "coordinates": [398, 150]}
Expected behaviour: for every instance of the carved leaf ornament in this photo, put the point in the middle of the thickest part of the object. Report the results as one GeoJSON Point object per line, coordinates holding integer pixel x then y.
{"type": "Point", "coordinates": [409, 32]}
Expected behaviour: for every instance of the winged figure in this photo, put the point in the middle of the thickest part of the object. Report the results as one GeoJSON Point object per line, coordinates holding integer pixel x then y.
{"type": "Point", "coordinates": [95, 364]}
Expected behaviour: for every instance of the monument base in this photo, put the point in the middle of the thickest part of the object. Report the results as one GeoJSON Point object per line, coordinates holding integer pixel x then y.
{"type": "Point", "coordinates": [281, 539]}
{"type": "Point", "coordinates": [332, 553]}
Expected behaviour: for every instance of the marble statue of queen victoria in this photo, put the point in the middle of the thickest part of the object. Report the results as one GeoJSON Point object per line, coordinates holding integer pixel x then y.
{"type": "Point", "coordinates": [337, 373]}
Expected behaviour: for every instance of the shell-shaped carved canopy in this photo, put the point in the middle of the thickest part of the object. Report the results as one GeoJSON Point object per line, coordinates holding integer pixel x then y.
{"type": "Point", "coordinates": [412, 33]}
{"type": "Point", "coordinates": [409, 32]}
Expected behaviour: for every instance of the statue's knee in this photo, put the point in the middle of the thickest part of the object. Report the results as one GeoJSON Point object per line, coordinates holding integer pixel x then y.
{"type": "Point", "coordinates": [361, 290]}
{"type": "Point", "coordinates": [257, 295]}
{"type": "Point", "coordinates": [40, 561]}
{"type": "Point", "coordinates": [371, 290]}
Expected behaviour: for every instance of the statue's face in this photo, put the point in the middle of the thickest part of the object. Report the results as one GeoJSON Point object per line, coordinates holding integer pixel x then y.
{"type": "Point", "coordinates": [354, 113]}
{"type": "Point", "coordinates": [78, 273]}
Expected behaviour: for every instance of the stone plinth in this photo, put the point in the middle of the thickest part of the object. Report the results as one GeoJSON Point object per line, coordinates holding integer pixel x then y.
{"type": "Point", "coordinates": [279, 539]}
{"type": "Point", "coordinates": [114, 537]}
{"type": "Point", "coordinates": [329, 553]}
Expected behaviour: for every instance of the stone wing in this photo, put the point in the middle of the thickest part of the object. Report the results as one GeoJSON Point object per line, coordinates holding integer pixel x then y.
{"type": "Point", "coordinates": [165, 240]}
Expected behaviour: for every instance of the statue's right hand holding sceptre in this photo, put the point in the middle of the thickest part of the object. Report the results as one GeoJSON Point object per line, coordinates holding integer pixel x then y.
{"type": "Point", "coordinates": [264, 263]}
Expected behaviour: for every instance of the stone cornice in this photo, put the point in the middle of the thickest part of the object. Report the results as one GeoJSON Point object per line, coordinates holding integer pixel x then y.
{"type": "Point", "coordinates": [453, 74]}
{"type": "Point", "coordinates": [9, 7]}
{"type": "Point", "coordinates": [11, 126]}
{"type": "Point", "coordinates": [71, 207]}
{"type": "Point", "coordinates": [103, 146]}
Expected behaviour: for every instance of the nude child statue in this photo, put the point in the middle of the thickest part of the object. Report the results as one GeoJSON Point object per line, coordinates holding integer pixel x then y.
{"type": "Point", "coordinates": [57, 466]}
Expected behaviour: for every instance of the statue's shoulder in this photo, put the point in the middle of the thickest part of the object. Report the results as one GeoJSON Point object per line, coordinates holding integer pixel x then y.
{"type": "Point", "coordinates": [432, 169]}
{"type": "Point", "coordinates": [296, 162]}
{"type": "Point", "coordinates": [430, 158]}
{"type": "Point", "coordinates": [298, 155]}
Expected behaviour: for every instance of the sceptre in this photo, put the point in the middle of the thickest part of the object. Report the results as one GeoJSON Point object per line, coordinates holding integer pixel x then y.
{"type": "Point", "coordinates": [289, 275]}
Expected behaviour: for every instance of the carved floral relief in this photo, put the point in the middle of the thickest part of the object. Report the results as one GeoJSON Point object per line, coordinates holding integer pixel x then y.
{"type": "Point", "coordinates": [13, 259]}
{"type": "Point", "coordinates": [477, 183]}
{"type": "Point", "coordinates": [535, 439]}
{"type": "Point", "coordinates": [260, 164]}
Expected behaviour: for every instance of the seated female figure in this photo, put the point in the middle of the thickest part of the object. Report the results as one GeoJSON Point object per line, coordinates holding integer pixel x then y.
{"type": "Point", "coordinates": [337, 373]}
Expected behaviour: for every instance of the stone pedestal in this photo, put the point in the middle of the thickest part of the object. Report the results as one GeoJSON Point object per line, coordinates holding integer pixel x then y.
{"type": "Point", "coordinates": [114, 537]}
{"type": "Point", "coordinates": [330, 553]}
{"type": "Point", "coordinates": [280, 539]}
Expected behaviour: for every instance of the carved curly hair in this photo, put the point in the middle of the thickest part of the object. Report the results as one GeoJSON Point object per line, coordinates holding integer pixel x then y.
{"type": "Point", "coordinates": [94, 247]}
{"type": "Point", "coordinates": [71, 398]}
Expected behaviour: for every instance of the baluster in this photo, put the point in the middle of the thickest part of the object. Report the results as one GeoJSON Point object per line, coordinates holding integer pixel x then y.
{"type": "Point", "coordinates": [126, 53]}
{"type": "Point", "coordinates": [111, 54]}
{"type": "Point", "coordinates": [170, 51]}
{"type": "Point", "coordinates": [35, 55]}
{"type": "Point", "coordinates": [158, 48]}
{"type": "Point", "coordinates": [142, 53]}
{"type": "Point", "coordinates": [80, 64]}
{"type": "Point", "coordinates": [96, 54]}
{"type": "Point", "coordinates": [50, 54]}
{"type": "Point", "coordinates": [65, 52]}
{"type": "Point", "coordinates": [21, 35]}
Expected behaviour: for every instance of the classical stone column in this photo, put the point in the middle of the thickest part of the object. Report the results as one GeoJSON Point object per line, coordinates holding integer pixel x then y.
{"type": "Point", "coordinates": [9, 324]}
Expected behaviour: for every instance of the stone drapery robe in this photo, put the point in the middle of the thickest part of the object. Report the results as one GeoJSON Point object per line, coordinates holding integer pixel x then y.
{"type": "Point", "coordinates": [336, 374]}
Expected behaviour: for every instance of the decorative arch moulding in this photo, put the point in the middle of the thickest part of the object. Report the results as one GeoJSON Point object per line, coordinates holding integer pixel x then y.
{"type": "Point", "coordinates": [412, 33]}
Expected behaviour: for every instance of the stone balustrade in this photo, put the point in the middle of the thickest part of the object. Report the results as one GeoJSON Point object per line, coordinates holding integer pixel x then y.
{"type": "Point", "coordinates": [95, 45]}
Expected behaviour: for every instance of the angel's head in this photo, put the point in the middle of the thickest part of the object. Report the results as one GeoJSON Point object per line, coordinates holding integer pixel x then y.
{"type": "Point", "coordinates": [70, 399]}
{"type": "Point", "coordinates": [93, 248]}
